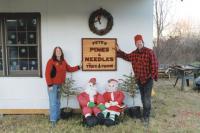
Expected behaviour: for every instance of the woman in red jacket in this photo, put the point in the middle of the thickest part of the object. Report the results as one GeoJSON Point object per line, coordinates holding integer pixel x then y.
{"type": "Point", "coordinates": [55, 75]}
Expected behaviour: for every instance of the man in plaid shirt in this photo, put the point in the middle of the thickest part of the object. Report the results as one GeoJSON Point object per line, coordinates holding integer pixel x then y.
{"type": "Point", "coordinates": [145, 67]}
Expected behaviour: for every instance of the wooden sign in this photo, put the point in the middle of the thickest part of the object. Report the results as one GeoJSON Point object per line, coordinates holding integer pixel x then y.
{"type": "Point", "coordinates": [99, 54]}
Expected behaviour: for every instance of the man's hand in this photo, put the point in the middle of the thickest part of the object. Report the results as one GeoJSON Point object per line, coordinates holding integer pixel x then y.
{"type": "Point", "coordinates": [91, 104]}
{"type": "Point", "coordinates": [117, 47]}
{"type": "Point", "coordinates": [156, 78]}
{"type": "Point", "coordinates": [80, 66]}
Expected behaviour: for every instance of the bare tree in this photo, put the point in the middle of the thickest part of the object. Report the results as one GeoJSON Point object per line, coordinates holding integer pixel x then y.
{"type": "Point", "coordinates": [161, 12]}
{"type": "Point", "coordinates": [182, 29]}
{"type": "Point", "coordinates": [182, 47]}
{"type": "Point", "coordinates": [160, 16]}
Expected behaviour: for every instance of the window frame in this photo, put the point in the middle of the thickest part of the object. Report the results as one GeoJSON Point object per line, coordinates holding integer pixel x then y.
{"type": "Point", "coordinates": [5, 46]}
{"type": "Point", "coordinates": [1, 45]}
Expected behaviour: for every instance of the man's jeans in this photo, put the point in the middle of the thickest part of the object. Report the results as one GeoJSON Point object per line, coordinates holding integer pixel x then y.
{"type": "Point", "coordinates": [145, 91]}
{"type": "Point", "coordinates": [54, 102]}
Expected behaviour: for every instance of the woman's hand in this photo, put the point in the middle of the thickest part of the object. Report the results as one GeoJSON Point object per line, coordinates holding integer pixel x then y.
{"type": "Point", "coordinates": [81, 64]}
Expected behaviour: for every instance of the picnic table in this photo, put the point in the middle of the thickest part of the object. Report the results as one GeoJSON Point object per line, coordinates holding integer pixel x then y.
{"type": "Point", "coordinates": [186, 73]}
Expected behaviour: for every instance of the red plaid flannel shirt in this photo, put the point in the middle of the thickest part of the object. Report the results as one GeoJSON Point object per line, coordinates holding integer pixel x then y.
{"type": "Point", "coordinates": [144, 63]}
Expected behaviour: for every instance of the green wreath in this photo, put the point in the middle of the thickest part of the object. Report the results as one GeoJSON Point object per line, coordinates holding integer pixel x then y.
{"type": "Point", "coordinates": [97, 15]}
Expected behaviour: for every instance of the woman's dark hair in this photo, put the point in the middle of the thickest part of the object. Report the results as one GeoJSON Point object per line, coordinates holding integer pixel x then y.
{"type": "Point", "coordinates": [54, 54]}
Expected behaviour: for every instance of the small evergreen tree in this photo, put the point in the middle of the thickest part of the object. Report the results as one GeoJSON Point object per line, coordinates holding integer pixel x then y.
{"type": "Point", "coordinates": [128, 84]}
{"type": "Point", "coordinates": [68, 88]}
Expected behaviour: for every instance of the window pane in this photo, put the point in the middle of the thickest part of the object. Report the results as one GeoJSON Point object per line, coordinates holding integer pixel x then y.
{"type": "Point", "coordinates": [1, 65]}
{"type": "Point", "coordinates": [33, 52]}
{"type": "Point", "coordinates": [11, 38]}
{"type": "Point", "coordinates": [23, 52]}
{"type": "Point", "coordinates": [32, 24]}
{"type": "Point", "coordinates": [1, 52]}
{"type": "Point", "coordinates": [22, 38]}
{"type": "Point", "coordinates": [0, 34]}
{"type": "Point", "coordinates": [13, 64]}
{"type": "Point", "coordinates": [13, 52]}
{"type": "Point", "coordinates": [31, 37]}
{"type": "Point", "coordinates": [1, 62]}
{"type": "Point", "coordinates": [33, 64]}
{"type": "Point", "coordinates": [21, 25]}
{"type": "Point", "coordinates": [23, 64]}
{"type": "Point", "coordinates": [11, 24]}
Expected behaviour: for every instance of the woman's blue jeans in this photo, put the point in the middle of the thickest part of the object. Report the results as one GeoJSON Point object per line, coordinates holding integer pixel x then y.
{"type": "Point", "coordinates": [54, 102]}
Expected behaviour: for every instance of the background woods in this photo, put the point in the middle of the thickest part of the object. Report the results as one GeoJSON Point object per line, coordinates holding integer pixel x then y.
{"type": "Point", "coordinates": [175, 41]}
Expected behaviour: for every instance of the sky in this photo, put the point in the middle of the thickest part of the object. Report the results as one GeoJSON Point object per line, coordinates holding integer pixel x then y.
{"type": "Point", "coordinates": [187, 10]}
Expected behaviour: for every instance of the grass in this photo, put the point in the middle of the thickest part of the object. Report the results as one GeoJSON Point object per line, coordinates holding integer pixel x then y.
{"type": "Point", "coordinates": [173, 111]}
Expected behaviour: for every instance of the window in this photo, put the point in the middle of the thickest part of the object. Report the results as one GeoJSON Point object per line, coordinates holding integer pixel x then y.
{"type": "Point", "coordinates": [20, 44]}
{"type": "Point", "coordinates": [1, 50]}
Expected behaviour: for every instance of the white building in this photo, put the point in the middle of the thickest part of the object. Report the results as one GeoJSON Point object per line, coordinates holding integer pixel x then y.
{"type": "Point", "coordinates": [63, 23]}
